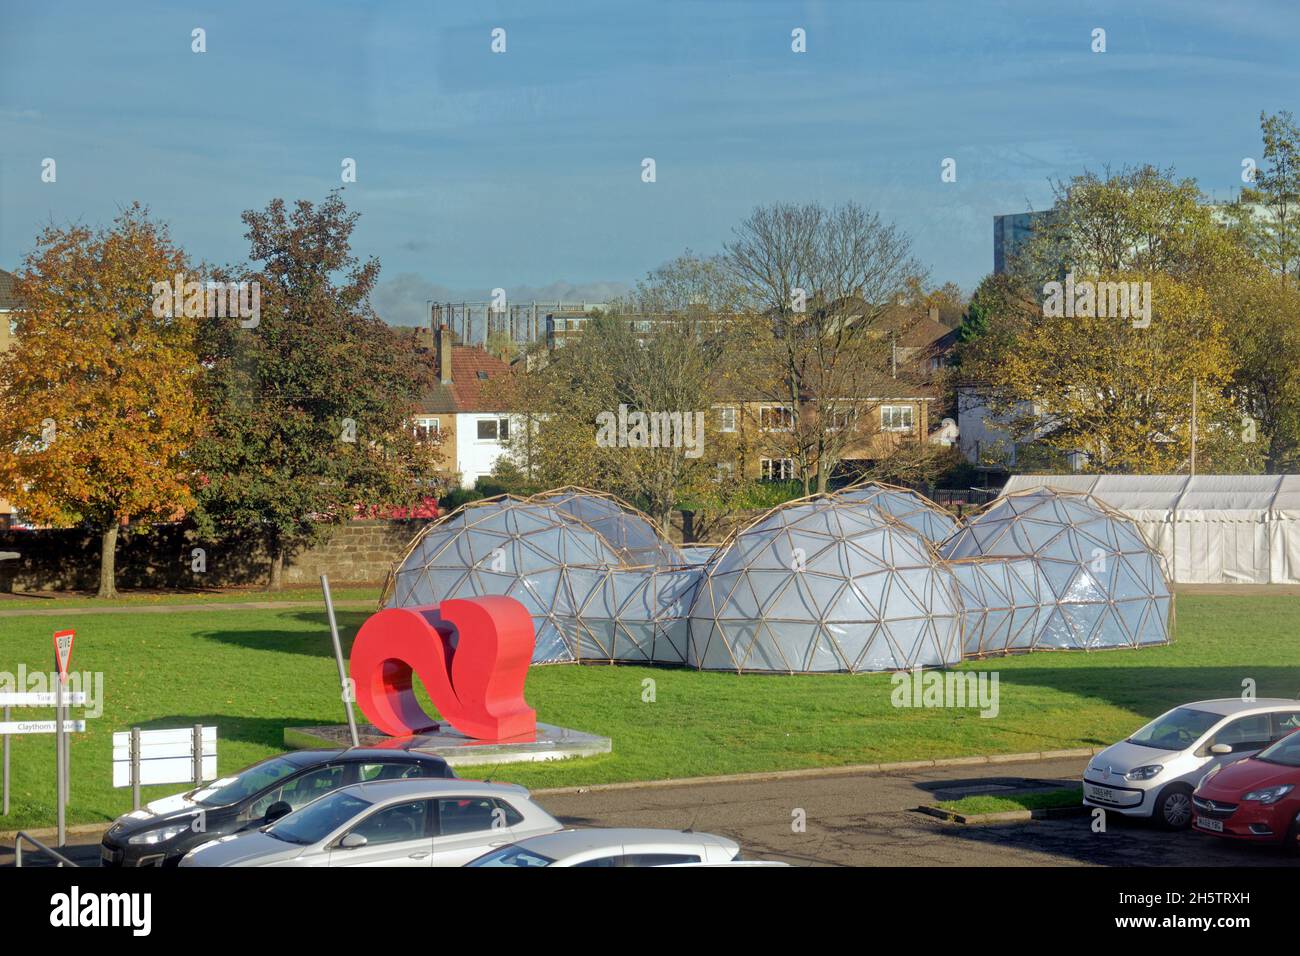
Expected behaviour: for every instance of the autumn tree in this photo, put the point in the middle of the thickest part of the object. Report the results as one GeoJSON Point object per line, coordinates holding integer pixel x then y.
{"type": "Point", "coordinates": [310, 407]}
{"type": "Point", "coordinates": [97, 395]}
{"type": "Point", "coordinates": [1121, 390]}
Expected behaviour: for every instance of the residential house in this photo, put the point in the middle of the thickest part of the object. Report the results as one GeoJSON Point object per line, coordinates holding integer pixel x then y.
{"type": "Point", "coordinates": [457, 410]}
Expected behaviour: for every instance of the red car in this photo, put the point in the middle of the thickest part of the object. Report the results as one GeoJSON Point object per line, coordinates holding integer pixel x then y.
{"type": "Point", "coordinates": [1256, 799]}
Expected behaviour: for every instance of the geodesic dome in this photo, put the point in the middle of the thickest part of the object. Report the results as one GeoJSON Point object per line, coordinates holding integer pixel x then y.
{"type": "Point", "coordinates": [629, 532]}
{"type": "Point", "coordinates": [1102, 585]}
{"type": "Point", "coordinates": [587, 601]}
{"type": "Point", "coordinates": [825, 584]}
{"type": "Point", "coordinates": [1003, 600]}
{"type": "Point", "coordinates": [910, 507]}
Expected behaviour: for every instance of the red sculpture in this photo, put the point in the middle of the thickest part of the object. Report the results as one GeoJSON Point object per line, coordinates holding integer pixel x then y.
{"type": "Point", "coordinates": [472, 654]}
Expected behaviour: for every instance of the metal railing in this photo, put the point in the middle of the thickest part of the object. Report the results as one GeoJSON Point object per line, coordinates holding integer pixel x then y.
{"type": "Point", "coordinates": [40, 847]}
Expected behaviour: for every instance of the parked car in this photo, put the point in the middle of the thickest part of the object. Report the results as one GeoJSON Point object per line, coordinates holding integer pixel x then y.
{"type": "Point", "coordinates": [1256, 799]}
{"type": "Point", "coordinates": [1153, 772]}
{"type": "Point", "coordinates": [613, 847]}
{"type": "Point", "coordinates": [165, 830]}
{"type": "Point", "coordinates": [412, 822]}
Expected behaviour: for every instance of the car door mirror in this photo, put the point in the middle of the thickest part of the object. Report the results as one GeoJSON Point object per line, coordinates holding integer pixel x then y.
{"type": "Point", "coordinates": [277, 810]}
{"type": "Point", "coordinates": [352, 841]}
{"type": "Point", "coordinates": [1221, 750]}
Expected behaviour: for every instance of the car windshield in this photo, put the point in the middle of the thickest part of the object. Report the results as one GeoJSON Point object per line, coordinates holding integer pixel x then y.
{"type": "Point", "coordinates": [1285, 752]}
{"type": "Point", "coordinates": [1176, 730]}
{"type": "Point", "coordinates": [256, 778]}
{"type": "Point", "coordinates": [318, 819]}
{"type": "Point", "coordinates": [511, 856]}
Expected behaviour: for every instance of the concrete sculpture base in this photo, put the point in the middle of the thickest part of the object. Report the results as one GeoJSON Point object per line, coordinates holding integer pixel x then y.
{"type": "Point", "coordinates": [549, 743]}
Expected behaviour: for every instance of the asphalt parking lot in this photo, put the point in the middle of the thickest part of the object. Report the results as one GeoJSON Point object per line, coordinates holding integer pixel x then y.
{"type": "Point", "coordinates": [870, 820]}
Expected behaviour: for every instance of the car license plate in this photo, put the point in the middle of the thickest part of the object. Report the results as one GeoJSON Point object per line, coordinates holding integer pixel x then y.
{"type": "Point", "coordinates": [105, 855]}
{"type": "Point", "coordinates": [1205, 823]}
{"type": "Point", "coordinates": [1100, 793]}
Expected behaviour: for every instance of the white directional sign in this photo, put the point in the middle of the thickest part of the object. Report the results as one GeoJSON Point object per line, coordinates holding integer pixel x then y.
{"type": "Point", "coordinates": [40, 726]}
{"type": "Point", "coordinates": [41, 698]}
{"type": "Point", "coordinates": [166, 756]}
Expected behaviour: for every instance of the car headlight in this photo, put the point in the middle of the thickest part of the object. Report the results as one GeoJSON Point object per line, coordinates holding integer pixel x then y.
{"type": "Point", "coordinates": [161, 835]}
{"type": "Point", "coordinates": [1270, 794]}
{"type": "Point", "coordinates": [1144, 773]}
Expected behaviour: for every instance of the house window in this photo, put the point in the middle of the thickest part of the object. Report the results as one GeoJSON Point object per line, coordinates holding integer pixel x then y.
{"type": "Point", "coordinates": [896, 418]}
{"type": "Point", "coordinates": [776, 469]}
{"type": "Point", "coordinates": [425, 429]}
{"type": "Point", "coordinates": [775, 418]}
{"type": "Point", "coordinates": [840, 418]}
{"type": "Point", "coordinates": [493, 429]}
{"type": "Point", "coordinates": [725, 470]}
{"type": "Point", "coordinates": [727, 418]}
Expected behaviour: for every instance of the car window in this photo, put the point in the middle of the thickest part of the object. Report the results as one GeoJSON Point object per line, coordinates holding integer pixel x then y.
{"type": "Point", "coordinates": [247, 783]}
{"type": "Point", "coordinates": [512, 856]}
{"type": "Point", "coordinates": [659, 859]}
{"type": "Point", "coordinates": [508, 816]}
{"type": "Point", "coordinates": [1285, 752]}
{"type": "Point", "coordinates": [1285, 722]}
{"type": "Point", "coordinates": [1245, 733]}
{"type": "Point", "coordinates": [1176, 730]}
{"type": "Point", "coordinates": [458, 815]}
{"type": "Point", "coordinates": [387, 771]}
{"type": "Point", "coordinates": [602, 861]}
{"type": "Point", "coordinates": [396, 824]}
{"type": "Point", "coordinates": [302, 790]}
{"type": "Point", "coordinates": [318, 820]}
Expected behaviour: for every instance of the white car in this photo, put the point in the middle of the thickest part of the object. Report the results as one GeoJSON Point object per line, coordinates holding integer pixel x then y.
{"type": "Point", "coordinates": [614, 847]}
{"type": "Point", "coordinates": [414, 822]}
{"type": "Point", "coordinates": [1153, 773]}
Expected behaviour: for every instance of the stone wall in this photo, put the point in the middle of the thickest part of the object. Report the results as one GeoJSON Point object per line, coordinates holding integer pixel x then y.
{"type": "Point", "coordinates": [359, 552]}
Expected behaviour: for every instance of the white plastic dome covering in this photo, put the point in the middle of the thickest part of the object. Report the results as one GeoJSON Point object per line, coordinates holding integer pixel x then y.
{"type": "Point", "coordinates": [626, 530]}
{"type": "Point", "coordinates": [914, 510]}
{"type": "Point", "coordinates": [1104, 586]}
{"type": "Point", "coordinates": [825, 585]}
{"type": "Point", "coordinates": [1003, 599]}
{"type": "Point", "coordinates": [588, 599]}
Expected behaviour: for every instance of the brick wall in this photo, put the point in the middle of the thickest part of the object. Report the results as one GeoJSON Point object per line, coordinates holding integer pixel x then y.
{"type": "Point", "coordinates": [359, 552]}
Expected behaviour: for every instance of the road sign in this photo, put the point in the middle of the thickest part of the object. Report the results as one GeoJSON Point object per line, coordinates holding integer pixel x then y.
{"type": "Point", "coordinates": [166, 756]}
{"type": "Point", "coordinates": [40, 726]}
{"type": "Point", "coordinates": [41, 698]}
{"type": "Point", "coordinates": [63, 652]}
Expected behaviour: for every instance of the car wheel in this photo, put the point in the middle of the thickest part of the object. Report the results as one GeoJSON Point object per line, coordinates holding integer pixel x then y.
{"type": "Point", "coordinates": [1174, 808]}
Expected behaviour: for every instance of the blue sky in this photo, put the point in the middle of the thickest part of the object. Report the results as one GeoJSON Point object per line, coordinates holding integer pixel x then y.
{"type": "Point", "coordinates": [523, 170]}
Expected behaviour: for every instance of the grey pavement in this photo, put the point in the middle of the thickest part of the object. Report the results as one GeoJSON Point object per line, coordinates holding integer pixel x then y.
{"type": "Point", "coordinates": [870, 819]}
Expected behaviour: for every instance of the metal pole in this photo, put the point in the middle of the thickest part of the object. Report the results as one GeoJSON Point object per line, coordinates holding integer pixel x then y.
{"type": "Point", "coordinates": [135, 768]}
{"type": "Point", "coordinates": [338, 659]}
{"type": "Point", "coordinates": [1193, 427]}
{"type": "Point", "coordinates": [196, 754]}
{"type": "Point", "coordinates": [59, 769]}
{"type": "Point", "coordinates": [6, 768]}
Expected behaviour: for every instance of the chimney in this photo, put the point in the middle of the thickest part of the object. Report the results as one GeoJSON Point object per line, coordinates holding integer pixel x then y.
{"type": "Point", "coordinates": [444, 355]}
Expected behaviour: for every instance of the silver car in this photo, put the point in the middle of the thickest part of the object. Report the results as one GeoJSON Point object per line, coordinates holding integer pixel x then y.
{"type": "Point", "coordinates": [614, 847]}
{"type": "Point", "coordinates": [417, 822]}
{"type": "Point", "coordinates": [1153, 773]}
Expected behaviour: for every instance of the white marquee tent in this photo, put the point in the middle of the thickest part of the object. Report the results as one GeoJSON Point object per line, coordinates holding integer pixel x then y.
{"type": "Point", "coordinates": [1211, 529]}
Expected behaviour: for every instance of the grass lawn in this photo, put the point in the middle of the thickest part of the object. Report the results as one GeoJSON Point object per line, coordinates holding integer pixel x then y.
{"type": "Point", "coordinates": [1046, 800]}
{"type": "Point", "coordinates": [252, 672]}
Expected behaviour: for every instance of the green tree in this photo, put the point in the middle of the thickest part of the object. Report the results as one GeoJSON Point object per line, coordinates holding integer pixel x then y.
{"type": "Point", "coordinates": [310, 408]}
{"type": "Point", "coordinates": [1268, 214]}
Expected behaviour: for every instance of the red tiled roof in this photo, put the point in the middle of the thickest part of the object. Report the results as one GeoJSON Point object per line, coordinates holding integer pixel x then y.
{"type": "Point", "coordinates": [463, 394]}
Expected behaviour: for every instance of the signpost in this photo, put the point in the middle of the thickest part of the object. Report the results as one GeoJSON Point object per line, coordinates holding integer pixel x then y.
{"type": "Point", "coordinates": [144, 757]}
{"type": "Point", "coordinates": [8, 726]}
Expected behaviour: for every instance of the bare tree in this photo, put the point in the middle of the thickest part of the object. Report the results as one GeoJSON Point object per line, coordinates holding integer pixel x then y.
{"type": "Point", "coordinates": [815, 282]}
